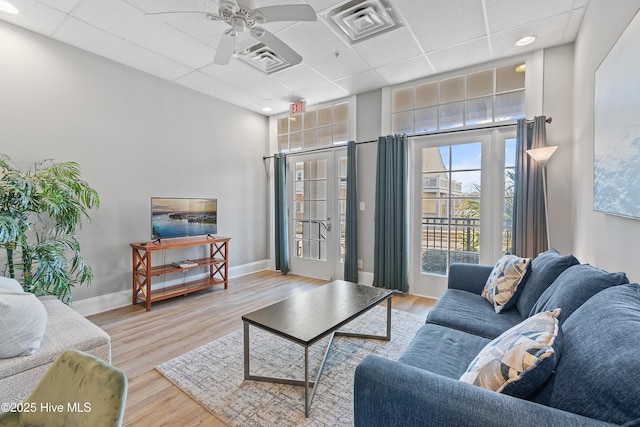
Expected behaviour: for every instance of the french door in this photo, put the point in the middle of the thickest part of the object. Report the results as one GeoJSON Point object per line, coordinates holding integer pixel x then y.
{"type": "Point", "coordinates": [316, 189]}
{"type": "Point", "coordinates": [461, 193]}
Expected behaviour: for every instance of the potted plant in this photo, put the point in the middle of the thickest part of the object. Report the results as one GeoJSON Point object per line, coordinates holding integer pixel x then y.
{"type": "Point", "coordinates": [40, 211]}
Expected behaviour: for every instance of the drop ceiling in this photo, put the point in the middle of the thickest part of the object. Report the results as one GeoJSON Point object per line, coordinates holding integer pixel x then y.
{"type": "Point", "coordinates": [429, 37]}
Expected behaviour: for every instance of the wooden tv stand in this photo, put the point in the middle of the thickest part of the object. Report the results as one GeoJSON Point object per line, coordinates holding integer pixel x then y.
{"type": "Point", "coordinates": [143, 270]}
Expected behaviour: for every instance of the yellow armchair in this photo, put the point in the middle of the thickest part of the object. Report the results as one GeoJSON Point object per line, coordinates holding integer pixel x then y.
{"type": "Point", "coordinates": [78, 390]}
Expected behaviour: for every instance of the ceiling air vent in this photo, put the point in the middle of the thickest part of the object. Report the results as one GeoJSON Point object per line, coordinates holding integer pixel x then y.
{"type": "Point", "coordinates": [263, 58]}
{"type": "Point", "coordinates": [359, 20]}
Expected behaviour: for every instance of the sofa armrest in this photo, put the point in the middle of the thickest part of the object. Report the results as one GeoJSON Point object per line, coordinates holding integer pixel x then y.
{"type": "Point", "coordinates": [389, 393]}
{"type": "Point", "coordinates": [468, 277]}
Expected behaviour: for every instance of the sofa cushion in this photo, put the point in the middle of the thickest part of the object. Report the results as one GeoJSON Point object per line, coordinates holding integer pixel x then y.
{"type": "Point", "coordinates": [520, 360]}
{"type": "Point", "coordinates": [23, 320]}
{"type": "Point", "coordinates": [442, 350]}
{"type": "Point", "coordinates": [545, 268]}
{"type": "Point", "coordinates": [598, 375]}
{"type": "Point", "coordinates": [471, 313]}
{"type": "Point", "coordinates": [505, 281]}
{"type": "Point", "coordinates": [573, 287]}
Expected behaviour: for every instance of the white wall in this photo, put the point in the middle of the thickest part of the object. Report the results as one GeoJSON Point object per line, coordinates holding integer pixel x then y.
{"type": "Point", "coordinates": [606, 241]}
{"type": "Point", "coordinates": [558, 104]}
{"type": "Point", "coordinates": [134, 136]}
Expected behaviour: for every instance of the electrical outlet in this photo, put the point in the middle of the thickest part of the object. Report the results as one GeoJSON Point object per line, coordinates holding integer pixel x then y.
{"type": "Point", "coordinates": [361, 206]}
{"type": "Point", "coordinates": [359, 263]}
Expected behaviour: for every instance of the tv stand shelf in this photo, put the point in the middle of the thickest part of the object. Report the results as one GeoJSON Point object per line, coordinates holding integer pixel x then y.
{"type": "Point", "coordinates": [143, 270]}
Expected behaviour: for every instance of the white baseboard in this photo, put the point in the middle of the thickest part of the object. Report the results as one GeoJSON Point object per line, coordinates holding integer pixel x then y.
{"type": "Point", "coordinates": [365, 278]}
{"type": "Point", "coordinates": [99, 304]}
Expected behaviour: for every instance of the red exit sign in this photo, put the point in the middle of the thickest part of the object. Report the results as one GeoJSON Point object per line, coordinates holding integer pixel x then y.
{"type": "Point", "coordinates": [297, 107]}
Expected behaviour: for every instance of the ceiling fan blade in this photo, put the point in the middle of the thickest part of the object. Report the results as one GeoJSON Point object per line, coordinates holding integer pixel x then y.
{"type": "Point", "coordinates": [225, 48]}
{"type": "Point", "coordinates": [167, 16]}
{"type": "Point", "coordinates": [277, 45]}
{"type": "Point", "coordinates": [291, 12]}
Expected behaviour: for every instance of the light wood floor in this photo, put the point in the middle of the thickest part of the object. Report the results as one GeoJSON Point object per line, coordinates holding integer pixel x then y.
{"type": "Point", "coordinates": [141, 340]}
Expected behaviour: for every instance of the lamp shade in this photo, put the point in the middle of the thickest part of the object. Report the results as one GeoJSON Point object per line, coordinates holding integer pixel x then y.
{"type": "Point", "coordinates": [543, 154]}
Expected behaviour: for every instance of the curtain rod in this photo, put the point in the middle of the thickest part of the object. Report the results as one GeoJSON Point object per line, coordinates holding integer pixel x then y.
{"type": "Point", "coordinates": [414, 135]}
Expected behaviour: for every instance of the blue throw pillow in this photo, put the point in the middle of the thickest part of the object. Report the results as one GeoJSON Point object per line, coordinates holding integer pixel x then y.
{"type": "Point", "coordinates": [520, 360]}
{"type": "Point", "coordinates": [545, 268]}
{"type": "Point", "coordinates": [574, 287]}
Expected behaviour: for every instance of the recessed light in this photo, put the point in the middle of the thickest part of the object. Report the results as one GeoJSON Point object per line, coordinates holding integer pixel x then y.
{"type": "Point", "coordinates": [521, 68]}
{"type": "Point", "coordinates": [266, 109]}
{"type": "Point", "coordinates": [526, 40]}
{"type": "Point", "coordinates": [5, 6]}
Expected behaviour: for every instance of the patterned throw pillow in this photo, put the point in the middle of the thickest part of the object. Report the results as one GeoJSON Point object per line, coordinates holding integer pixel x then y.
{"type": "Point", "coordinates": [520, 360]}
{"type": "Point", "coordinates": [504, 281]}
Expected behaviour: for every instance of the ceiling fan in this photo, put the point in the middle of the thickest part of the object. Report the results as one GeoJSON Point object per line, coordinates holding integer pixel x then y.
{"type": "Point", "coordinates": [240, 17]}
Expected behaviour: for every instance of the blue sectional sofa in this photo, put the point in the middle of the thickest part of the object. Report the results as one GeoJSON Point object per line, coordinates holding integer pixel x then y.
{"type": "Point", "coordinates": [596, 380]}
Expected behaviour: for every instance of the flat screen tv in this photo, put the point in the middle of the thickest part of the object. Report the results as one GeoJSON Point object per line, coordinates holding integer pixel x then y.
{"type": "Point", "coordinates": [183, 217]}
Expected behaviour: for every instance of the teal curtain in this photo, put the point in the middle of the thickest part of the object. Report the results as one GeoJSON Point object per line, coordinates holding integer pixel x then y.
{"type": "Point", "coordinates": [529, 223]}
{"type": "Point", "coordinates": [351, 226]}
{"type": "Point", "coordinates": [391, 260]}
{"type": "Point", "coordinates": [280, 180]}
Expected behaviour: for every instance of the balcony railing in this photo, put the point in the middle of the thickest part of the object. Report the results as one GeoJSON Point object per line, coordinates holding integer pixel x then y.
{"type": "Point", "coordinates": [447, 240]}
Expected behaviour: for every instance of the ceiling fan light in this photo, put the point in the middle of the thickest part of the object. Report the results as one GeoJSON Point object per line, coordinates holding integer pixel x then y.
{"type": "Point", "coordinates": [7, 7]}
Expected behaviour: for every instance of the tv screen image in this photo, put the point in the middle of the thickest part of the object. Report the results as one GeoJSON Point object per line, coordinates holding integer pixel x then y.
{"type": "Point", "coordinates": [183, 217]}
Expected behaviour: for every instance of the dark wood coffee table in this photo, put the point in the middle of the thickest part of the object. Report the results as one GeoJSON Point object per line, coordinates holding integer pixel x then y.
{"type": "Point", "coordinates": [310, 316]}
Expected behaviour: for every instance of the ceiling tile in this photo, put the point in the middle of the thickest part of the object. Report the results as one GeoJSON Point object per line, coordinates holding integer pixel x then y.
{"type": "Point", "coordinates": [317, 45]}
{"type": "Point", "coordinates": [362, 82]}
{"type": "Point", "coordinates": [175, 5]}
{"type": "Point", "coordinates": [266, 89]}
{"type": "Point", "coordinates": [277, 106]}
{"type": "Point", "coordinates": [65, 6]}
{"type": "Point", "coordinates": [128, 22]}
{"type": "Point", "coordinates": [299, 77]}
{"type": "Point", "coordinates": [84, 36]}
{"type": "Point", "coordinates": [405, 71]}
{"type": "Point", "coordinates": [454, 57]}
{"type": "Point", "coordinates": [505, 14]}
{"type": "Point", "coordinates": [236, 71]}
{"type": "Point", "coordinates": [202, 83]}
{"type": "Point", "coordinates": [321, 5]}
{"type": "Point", "coordinates": [549, 33]}
{"type": "Point", "coordinates": [320, 94]}
{"type": "Point", "coordinates": [438, 24]}
{"type": "Point", "coordinates": [35, 17]}
{"type": "Point", "coordinates": [384, 49]}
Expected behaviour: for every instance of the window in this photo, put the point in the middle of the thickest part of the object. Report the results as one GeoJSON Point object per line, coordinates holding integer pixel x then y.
{"type": "Point", "coordinates": [472, 99]}
{"type": "Point", "coordinates": [315, 128]}
{"type": "Point", "coordinates": [450, 206]}
{"type": "Point", "coordinates": [461, 202]}
{"type": "Point", "coordinates": [310, 201]}
{"type": "Point", "coordinates": [509, 192]}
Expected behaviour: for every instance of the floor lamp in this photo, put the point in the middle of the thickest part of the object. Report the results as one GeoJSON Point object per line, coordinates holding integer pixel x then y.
{"type": "Point", "coordinates": [542, 156]}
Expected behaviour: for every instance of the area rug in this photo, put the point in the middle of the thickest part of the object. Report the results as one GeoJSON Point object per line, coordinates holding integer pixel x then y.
{"type": "Point", "coordinates": [213, 374]}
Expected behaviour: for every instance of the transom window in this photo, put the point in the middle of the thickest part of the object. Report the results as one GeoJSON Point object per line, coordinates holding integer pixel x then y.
{"type": "Point", "coordinates": [320, 127]}
{"type": "Point", "coordinates": [472, 99]}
